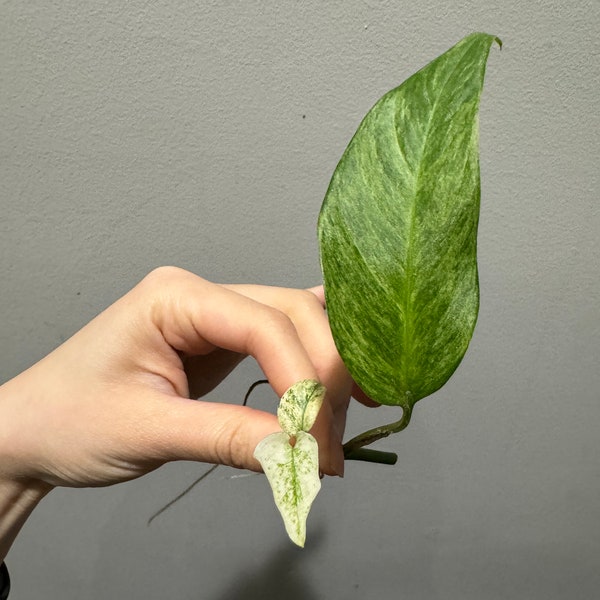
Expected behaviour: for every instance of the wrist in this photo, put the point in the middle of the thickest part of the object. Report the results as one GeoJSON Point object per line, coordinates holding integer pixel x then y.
{"type": "Point", "coordinates": [19, 492]}
{"type": "Point", "coordinates": [17, 501]}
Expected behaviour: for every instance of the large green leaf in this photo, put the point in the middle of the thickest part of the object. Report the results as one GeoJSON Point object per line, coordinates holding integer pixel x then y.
{"type": "Point", "coordinates": [398, 231]}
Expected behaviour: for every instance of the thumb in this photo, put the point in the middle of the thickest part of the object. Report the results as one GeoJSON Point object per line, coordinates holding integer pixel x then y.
{"type": "Point", "coordinates": [213, 432]}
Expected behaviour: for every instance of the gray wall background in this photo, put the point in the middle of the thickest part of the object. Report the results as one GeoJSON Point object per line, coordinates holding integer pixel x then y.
{"type": "Point", "coordinates": [204, 134]}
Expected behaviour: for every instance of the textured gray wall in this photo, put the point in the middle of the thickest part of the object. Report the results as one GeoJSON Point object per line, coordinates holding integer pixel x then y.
{"type": "Point", "coordinates": [203, 135]}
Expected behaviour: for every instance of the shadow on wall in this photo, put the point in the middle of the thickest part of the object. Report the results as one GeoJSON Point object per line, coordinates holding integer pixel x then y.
{"type": "Point", "coordinates": [280, 576]}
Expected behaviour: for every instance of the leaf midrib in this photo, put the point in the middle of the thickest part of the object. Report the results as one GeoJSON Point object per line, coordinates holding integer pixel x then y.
{"type": "Point", "coordinates": [408, 332]}
{"type": "Point", "coordinates": [296, 486]}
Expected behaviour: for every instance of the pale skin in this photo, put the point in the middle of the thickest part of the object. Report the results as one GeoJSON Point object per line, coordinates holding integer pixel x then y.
{"type": "Point", "coordinates": [113, 402]}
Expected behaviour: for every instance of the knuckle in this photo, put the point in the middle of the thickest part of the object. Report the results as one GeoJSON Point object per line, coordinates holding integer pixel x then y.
{"type": "Point", "coordinates": [304, 304]}
{"type": "Point", "coordinates": [163, 275]}
{"type": "Point", "coordinates": [309, 300]}
{"type": "Point", "coordinates": [273, 327]}
{"type": "Point", "coordinates": [276, 323]}
{"type": "Point", "coordinates": [230, 446]}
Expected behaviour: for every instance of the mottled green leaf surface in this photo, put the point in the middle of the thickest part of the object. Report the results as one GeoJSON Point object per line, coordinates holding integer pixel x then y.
{"type": "Point", "coordinates": [293, 473]}
{"type": "Point", "coordinates": [299, 406]}
{"type": "Point", "coordinates": [398, 231]}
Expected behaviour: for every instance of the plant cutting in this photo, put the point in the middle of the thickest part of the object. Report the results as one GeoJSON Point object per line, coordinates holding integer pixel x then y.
{"type": "Point", "coordinates": [398, 246]}
{"type": "Point", "coordinates": [290, 459]}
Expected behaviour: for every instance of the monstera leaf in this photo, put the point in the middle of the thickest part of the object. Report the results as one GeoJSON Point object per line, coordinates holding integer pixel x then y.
{"type": "Point", "coordinates": [398, 231]}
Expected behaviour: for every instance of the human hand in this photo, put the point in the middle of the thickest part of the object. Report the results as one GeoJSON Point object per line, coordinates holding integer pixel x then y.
{"type": "Point", "coordinates": [113, 402]}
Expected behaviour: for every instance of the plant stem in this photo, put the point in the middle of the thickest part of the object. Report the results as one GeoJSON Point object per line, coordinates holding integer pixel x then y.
{"type": "Point", "coordinates": [353, 449]}
{"type": "Point", "coordinates": [373, 456]}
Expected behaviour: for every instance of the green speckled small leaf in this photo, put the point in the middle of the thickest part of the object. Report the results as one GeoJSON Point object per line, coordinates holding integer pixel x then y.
{"type": "Point", "coordinates": [293, 473]}
{"type": "Point", "coordinates": [398, 231]}
{"type": "Point", "coordinates": [299, 406]}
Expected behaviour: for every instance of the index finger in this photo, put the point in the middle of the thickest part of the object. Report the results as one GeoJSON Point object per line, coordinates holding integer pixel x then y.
{"type": "Point", "coordinates": [195, 316]}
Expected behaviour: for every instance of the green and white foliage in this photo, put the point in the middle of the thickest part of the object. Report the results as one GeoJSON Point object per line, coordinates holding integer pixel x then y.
{"type": "Point", "coordinates": [290, 458]}
{"type": "Point", "coordinates": [398, 246]}
{"type": "Point", "coordinates": [398, 231]}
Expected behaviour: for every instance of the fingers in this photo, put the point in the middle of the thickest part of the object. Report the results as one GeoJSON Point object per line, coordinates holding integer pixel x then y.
{"type": "Point", "coordinates": [196, 316]}
{"type": "Point", "coordinates": [307, 314]}
{"type": "Point", "coordinates": [286, 331]}
{"type": "Point", "coordinates": [361, 397]}
{"type": "Point", "coordinates": [205, 373]}
{"type": "Point", "coordinates": [319, 292]}
{"type": "Point", "coordinates": [213, 432]}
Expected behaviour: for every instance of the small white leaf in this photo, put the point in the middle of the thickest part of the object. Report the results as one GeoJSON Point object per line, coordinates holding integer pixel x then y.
{"type": "Point", "coordinates": [299, 406]}
{"type": "Point", "coordinates": [293, 473]}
